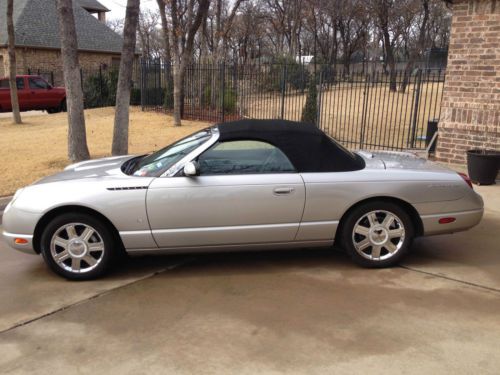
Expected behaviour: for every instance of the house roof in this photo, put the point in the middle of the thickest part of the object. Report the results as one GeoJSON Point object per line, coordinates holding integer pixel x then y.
{"type": "Point", "coordinates": [93, 5]}
{"type": "Point", "coordinates": [36, 25]}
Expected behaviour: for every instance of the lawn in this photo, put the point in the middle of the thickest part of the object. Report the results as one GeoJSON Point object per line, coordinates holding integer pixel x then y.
{"type": "Point", "coordinates": [39, 146]}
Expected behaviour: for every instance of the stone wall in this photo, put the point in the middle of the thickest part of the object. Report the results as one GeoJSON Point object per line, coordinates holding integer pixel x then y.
{"type": "Point", "coordinates": [470, 116]}
{"type": "Point", "coordinates": [46, 60]}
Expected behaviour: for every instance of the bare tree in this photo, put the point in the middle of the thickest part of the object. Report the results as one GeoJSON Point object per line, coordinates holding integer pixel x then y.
{"type": "Point", "coordinates": [115, 24]}
{"type": "Point", "coordinates": [14, 99]}
{"type": "Point", "coordinates": [415, 44]}
{"type": "Point", "coordinates": [351, 24]}
{"type": "Point", "coordinates": [147, 31]}
{"type": "Point", "coordinates": [186, 18]}
{"type": "Point", "coordinates": [165, 32]}
{"type": "Point", "coordinates": [77, 138]}
{"type": "Point", "coordinates": [120, 131]}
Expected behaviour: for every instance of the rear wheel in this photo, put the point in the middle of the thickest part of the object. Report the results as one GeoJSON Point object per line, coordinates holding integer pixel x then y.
{"type": "Point", "coordinates": [377, 234]}
{"type": "Point", "coordinates": [77, 246]}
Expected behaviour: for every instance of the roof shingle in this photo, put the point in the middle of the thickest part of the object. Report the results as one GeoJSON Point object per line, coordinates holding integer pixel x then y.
{"type": "Point", "coordinates": [36, 25]}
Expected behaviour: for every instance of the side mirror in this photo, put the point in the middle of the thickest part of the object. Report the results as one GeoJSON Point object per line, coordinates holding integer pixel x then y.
{"type": "Point", "coordinates": [191, 169]}
{"type": "Point", "coordinates": [49, 87]}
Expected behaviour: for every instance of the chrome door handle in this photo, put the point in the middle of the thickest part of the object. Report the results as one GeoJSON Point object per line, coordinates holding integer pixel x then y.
{"type": "Point", "coordinates": [283, 191]}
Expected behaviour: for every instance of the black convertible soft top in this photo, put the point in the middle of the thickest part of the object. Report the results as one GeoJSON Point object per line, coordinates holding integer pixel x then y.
{"type": "Point", "coordinates": [307, 147]}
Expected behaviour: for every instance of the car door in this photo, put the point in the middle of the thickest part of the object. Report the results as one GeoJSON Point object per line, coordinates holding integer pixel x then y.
{"type": "Point", "coordinates": [38, 91]}
{"type": "Point", "coordinates": [21, 94]}
{"type": "Point", "coordinates": [247, 192]}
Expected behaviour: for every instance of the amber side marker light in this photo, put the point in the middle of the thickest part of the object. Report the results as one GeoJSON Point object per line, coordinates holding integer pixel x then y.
{"type": "Point", "coordinates": [20, 241]}
{"type": "Point", "coordinates": [446, 220]}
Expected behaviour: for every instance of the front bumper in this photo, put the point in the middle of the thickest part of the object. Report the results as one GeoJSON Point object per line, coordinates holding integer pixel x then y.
{"type": "Point", "coordinates": [10, 239]}
{"type": "Point", "coordinates": [463, 220]}
{"type": "Point", "coordinates": [19, 224]}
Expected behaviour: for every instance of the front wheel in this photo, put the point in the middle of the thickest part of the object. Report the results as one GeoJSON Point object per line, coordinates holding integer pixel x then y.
{"type": "Point", "coordinates": [377, 234]}
{"type": "Point", "coordinates": [77, 246]}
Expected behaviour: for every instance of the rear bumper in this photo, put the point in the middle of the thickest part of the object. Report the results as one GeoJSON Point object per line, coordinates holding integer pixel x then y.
{"type": "Point", "coordinates": [463, 220]}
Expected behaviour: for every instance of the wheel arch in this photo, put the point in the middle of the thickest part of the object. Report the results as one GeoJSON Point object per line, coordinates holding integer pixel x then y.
{"type": "Point", "coordinates": [408, 207]}
{"type": "Point", "coordinates": [50, 215]}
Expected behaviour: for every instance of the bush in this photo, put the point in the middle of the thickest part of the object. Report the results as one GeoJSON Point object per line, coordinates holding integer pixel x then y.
{"type": "Point", "coordinates": [168, 101]}
{"type": "Point", "coordinates": [310, 111]}
{"type": "Point", "coordinates": [99, 89]}
{"type": "Point", "coordinates": [230, 101]}
{"type": "Point", "coordinates": [135, 96]}
{"type": "Point", "coordinates": [297, 75]}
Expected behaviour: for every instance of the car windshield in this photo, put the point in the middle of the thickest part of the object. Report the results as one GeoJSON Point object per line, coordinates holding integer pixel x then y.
{"type": "Point", "coordinates": [155, 164]}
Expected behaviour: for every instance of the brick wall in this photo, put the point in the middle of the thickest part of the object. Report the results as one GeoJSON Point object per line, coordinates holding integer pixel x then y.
{"type": "Point", "coordinates": [470, 115]}
{"type": "Point", "coordinates": [50, 60]}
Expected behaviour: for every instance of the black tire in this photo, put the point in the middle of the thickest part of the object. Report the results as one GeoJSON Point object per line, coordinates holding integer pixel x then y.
{"type": "Point", "coordinates": [63, 107]}
{"type": "Point", "coordinates": [356, 217]}
{"type": "Point", "coordinates": [102, 233]}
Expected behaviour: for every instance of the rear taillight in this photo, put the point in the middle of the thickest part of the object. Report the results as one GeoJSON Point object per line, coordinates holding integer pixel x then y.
{"type": "Point", "coordinates": [466, 179]}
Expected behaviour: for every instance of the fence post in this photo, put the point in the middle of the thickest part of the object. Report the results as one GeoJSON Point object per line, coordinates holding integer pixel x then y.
{"type": "Point", "coordinates": [416, 107]}
{"type": "Point", "coordinates": [143, 85]}
{"type": "Point", "coordinates": [365, 109]}
{"type": "Point", "coordinates": [52, 77]}
{"type": "Point", "coordinates": [319, 100]}
{"type": "Point", "coordinates": [283, 91]}
{"type": "Point", "coordinates": [223, 83]}
{"type": "Point", "coordinates": [100, 85]}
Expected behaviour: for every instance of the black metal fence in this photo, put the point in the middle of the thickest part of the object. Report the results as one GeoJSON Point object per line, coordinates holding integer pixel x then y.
{"type": "Point", "coordinates": [367, 109]}
{"type": "Point", "coordinates": [99, 84]}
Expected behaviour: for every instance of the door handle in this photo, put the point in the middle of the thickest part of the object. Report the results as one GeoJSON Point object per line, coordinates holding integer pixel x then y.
{"type": "Point", "coordinates": [283, 191]}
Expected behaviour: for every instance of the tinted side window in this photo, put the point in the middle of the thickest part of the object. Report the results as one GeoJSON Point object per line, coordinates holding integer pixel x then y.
{"type": "Point", "coordinates": [244, 157]}
{"type": "Point", "coordinates": [37, 84]}
{"type": "Point", "coordinates": [4, 83]}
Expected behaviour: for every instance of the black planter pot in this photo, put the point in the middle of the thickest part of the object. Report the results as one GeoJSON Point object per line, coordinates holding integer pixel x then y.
{"type": "Point", "coordinates": [483, 166]}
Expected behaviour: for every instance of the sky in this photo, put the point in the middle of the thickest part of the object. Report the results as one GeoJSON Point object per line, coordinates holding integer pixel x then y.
{"type": "Point", "coordinates": [118, 7]}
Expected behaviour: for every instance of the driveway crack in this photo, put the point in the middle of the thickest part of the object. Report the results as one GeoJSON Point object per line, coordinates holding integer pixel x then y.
{"type": "Point", "coordinates": [103, 293]}
{"type": "Point", "coordinates": [469, 283]}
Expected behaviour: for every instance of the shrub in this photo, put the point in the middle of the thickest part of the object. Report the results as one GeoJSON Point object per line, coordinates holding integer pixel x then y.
{"type": "Point", "coordinates": [168, 101]}
{"type": "Point", "coordinates": [135, 96]}
{"type": "Point", "coordinates": [230, 101]}
{"type": "Point", "coordinates": [310, 111]}
{"type": "Point", "coordinates": [297, 75]}
{"type": "Point", "coordinates": [99, 89]}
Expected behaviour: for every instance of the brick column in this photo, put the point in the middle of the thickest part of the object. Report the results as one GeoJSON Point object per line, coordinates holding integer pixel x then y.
{"type": "Point", "coordinates": [471, 99]}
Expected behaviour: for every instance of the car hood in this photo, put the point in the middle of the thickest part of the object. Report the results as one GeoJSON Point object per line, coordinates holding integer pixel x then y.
{"type": "Point", "coordinates": [399, 160]}
{"type": "Point", "coordinates": [90, 169]}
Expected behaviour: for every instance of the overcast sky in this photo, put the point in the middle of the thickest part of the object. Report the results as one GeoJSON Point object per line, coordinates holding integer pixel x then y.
{"type": "Point", "coordinates": [118, 7]}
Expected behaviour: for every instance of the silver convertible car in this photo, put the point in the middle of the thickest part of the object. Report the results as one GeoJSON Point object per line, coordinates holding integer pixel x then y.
{"type": "Point", "coordinates": [251, 184]}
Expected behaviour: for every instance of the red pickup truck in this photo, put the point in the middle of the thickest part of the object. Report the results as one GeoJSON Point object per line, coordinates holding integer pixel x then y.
{"type": "Point", "coordinates": [34, 93]}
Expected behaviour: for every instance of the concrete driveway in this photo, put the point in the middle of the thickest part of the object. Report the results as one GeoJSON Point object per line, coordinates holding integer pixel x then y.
{"type": "Point", "coordinates": [309, 311]}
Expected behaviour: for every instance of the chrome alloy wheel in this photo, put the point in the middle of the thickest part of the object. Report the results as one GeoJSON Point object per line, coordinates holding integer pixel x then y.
{"type": "Point", "coordinates": [77, 247]}
{"type": "Point", "coordinates": [378, 235]}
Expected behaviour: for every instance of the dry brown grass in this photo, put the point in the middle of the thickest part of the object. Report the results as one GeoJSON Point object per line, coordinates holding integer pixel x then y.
{"type": "Point", "coordinates": [39, 146]}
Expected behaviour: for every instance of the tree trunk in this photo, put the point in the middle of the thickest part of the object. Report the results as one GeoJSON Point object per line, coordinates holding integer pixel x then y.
{"type": "Point", "coordinates": [14, 99]}
{"type": "Point", "coordinates": [177, 94]}
{"type": "Point", "coordinates": [77, 138]}
{"type": "Point", "coordinates": [390, 60]}
{"type": "Point", "coordinates": [120, 131]}
{"type": "Point", "coordinates": [164, 26]}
